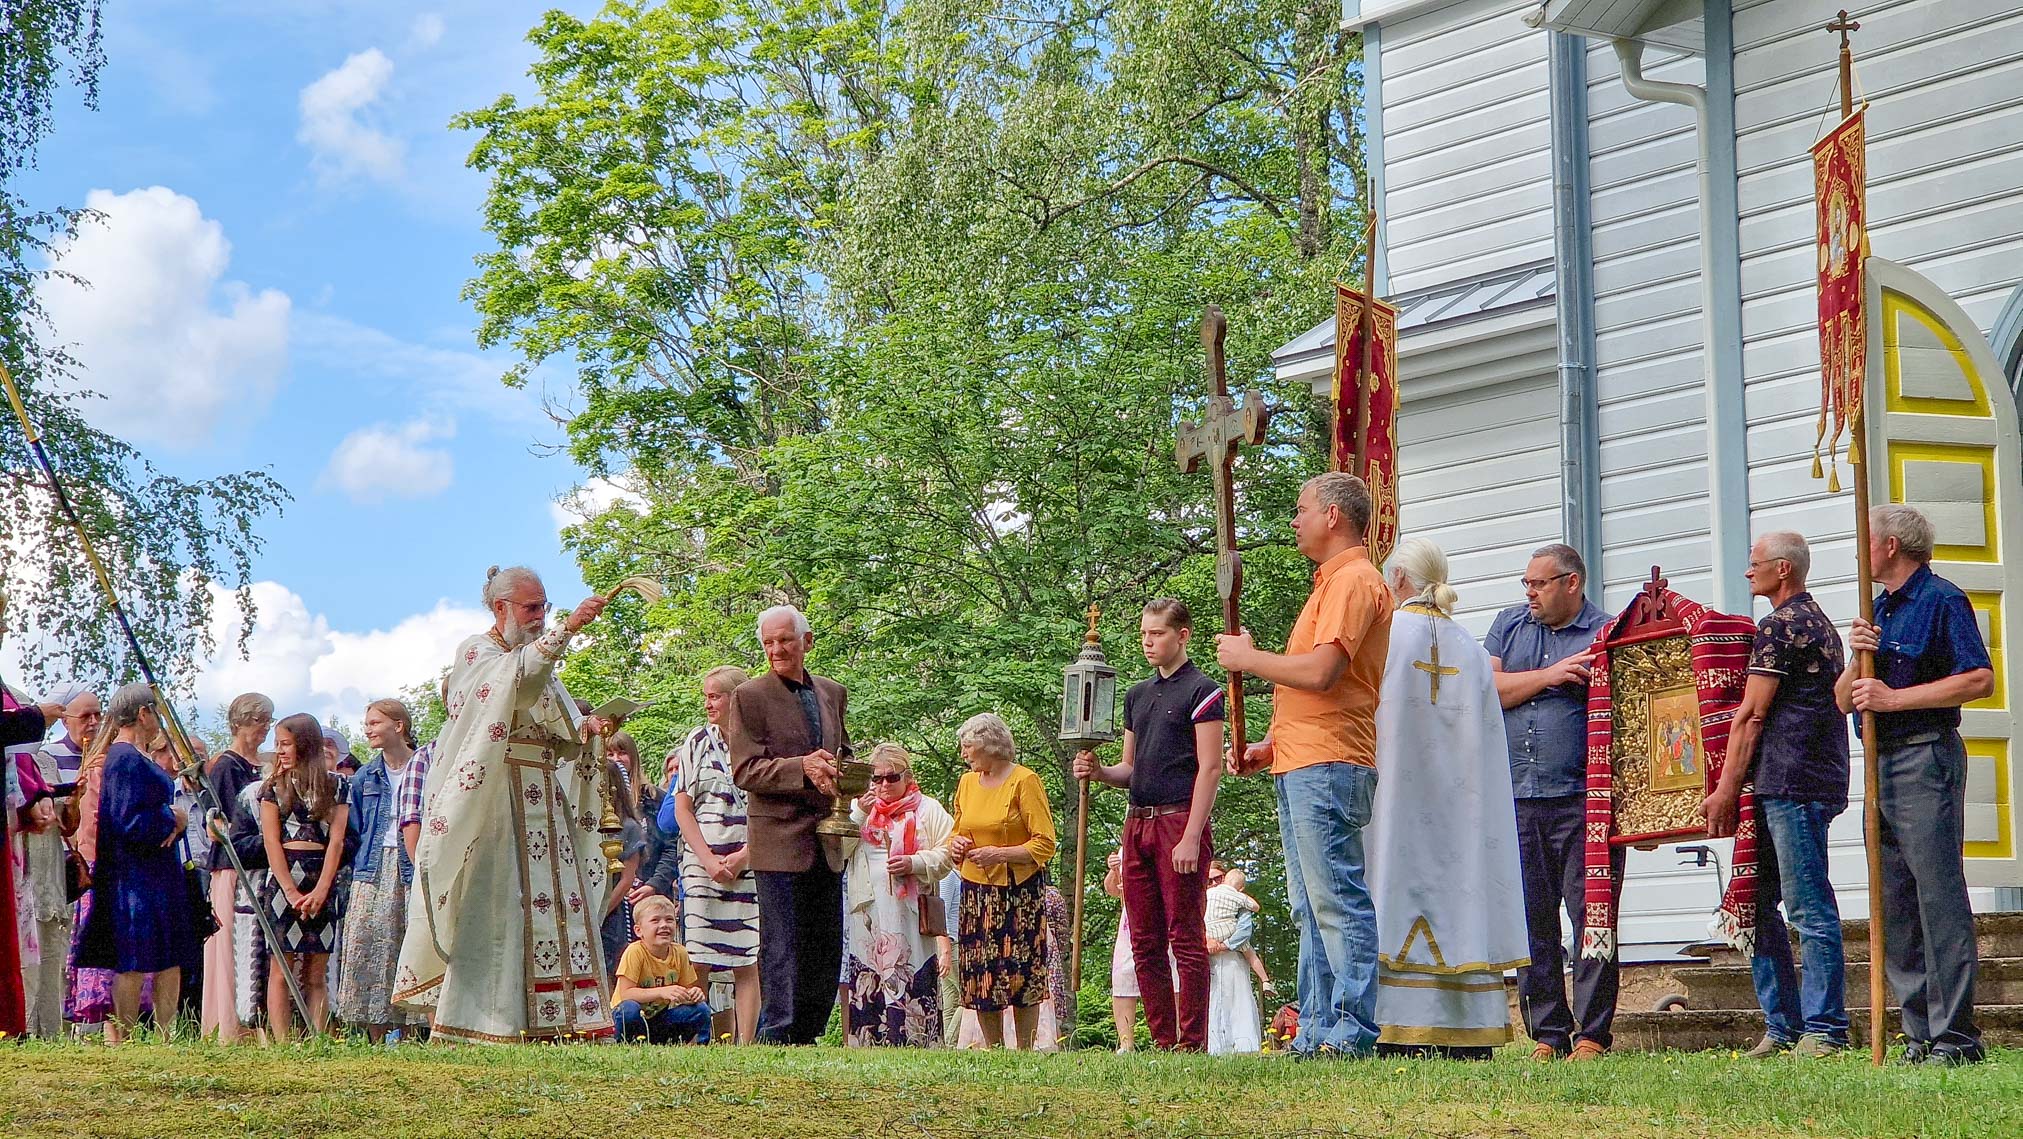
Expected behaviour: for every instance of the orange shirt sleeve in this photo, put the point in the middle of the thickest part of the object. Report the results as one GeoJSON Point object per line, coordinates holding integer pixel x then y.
{"type": "Point", "coordinates": [1348, 608]}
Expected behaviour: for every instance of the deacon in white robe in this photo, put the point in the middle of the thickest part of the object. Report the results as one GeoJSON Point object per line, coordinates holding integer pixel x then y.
{"type": "Point", "coordinates": [1443, 845]}
{"type": "Point", "coordinates": [503, 919]}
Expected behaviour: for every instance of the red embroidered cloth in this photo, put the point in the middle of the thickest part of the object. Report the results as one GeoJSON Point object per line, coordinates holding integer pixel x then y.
{"type": "Point", "coordinates": [1720, 652]}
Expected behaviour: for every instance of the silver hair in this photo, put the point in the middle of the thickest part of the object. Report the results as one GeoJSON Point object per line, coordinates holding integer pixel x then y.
{"type": "Point", "coordinates": [500, 583]}
{"type": "Point", "coordinates": [1344, 492]}
{"type": "Point", "coordinates": [800, 620]}
{"type": "Point", "coordinates": [1424, 566]}
{"type": "Point", "coordinates": [1789, 546]}
{"type": "Point", "coordinates": [1565, 557]}
{"type": "Point", "coordinates": [127, 703]}
{"type": "Point", "coordinates": [1908, 525]}
{"type": "Point", "coordinates": [986, 731]}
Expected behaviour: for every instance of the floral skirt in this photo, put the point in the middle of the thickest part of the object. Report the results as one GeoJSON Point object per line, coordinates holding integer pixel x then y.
{"type": "Point", "coordinates": [374, 925]}
{"type": "Point", "coordinates": [1001, 942]}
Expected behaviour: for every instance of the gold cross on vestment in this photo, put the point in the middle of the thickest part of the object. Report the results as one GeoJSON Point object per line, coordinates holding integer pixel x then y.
{"type": "Point", "coordinates": [1434, 670]}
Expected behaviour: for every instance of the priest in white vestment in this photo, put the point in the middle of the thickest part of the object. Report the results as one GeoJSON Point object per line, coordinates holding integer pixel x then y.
{"type": "Point", "coordinates": [1443, 847]}
{"type": "Point", "coordinates": [503, 920]}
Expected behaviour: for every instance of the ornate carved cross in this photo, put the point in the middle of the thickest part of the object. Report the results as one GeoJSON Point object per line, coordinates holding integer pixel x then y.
{"type": "Point", "coordinates": [1225, 425]}
{"type": "Point", "coordinates": [1434, 669]}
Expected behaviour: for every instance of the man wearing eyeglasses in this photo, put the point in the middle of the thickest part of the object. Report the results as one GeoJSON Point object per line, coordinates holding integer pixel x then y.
{"type": "Point", "coordinates": [1540, 653]}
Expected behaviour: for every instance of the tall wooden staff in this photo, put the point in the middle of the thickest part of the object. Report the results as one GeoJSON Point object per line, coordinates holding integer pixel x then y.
{"type": "Point", "coordinates": [190, 772]}
{"type": "Point", "coordinates": [1365, 367]}
{"type": "Point", "coordinates": [1864, 662]}
{"type": "Point", "coordinates": [1225, 425]}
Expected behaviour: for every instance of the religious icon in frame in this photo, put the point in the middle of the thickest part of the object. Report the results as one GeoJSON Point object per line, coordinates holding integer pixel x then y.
{"type": "Point", "coordinates": [1677, 759]}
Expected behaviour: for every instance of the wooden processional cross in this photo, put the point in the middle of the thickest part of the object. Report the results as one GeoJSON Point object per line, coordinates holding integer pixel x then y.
{"type": "Point", "coordinates": [1225, 425]}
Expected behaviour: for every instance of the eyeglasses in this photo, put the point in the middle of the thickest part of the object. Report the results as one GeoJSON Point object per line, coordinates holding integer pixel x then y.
{"type": "Point", "coordinates": [1534, 585]}
{"type": "Point", "coordinates": [1754, 562]}
{"type": "Point", "coordinates": [534, 606]}
{"type": "Point", "coordinates": [889, 777]}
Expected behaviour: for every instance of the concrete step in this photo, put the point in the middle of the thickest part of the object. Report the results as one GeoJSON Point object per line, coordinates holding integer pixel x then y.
{"type": "Point", "coordinates": [1999, 935]}
{"type": "Point", "coordinates": [1999, 982]}
{"type": "Point", "coordinates": [1698, 1030]}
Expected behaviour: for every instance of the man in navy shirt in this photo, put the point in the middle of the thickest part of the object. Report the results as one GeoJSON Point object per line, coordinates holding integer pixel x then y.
{"type": "Point", "coordinates": [1790, 738]}
{"type": "Point", "coordinates": [1172, 762]}
{"type": "Point", "coordinates": [1540, 653]}
{"type": "Point", "coordinates": [1929, 660]}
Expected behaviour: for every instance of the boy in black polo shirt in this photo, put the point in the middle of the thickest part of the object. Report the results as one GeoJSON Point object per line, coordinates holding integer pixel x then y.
{"type": "Point", "coordinates": [1172, 761]}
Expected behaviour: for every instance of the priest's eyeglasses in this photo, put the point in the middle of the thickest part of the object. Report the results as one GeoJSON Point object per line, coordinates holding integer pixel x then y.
{"type": "Point", "coordinates": [1537, 585]}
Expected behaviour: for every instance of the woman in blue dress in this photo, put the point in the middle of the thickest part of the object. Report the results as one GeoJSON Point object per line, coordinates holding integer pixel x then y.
{"type": "Point", "coordinates": [139, 924]}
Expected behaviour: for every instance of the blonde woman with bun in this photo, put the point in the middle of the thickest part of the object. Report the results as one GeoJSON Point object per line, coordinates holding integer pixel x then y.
{"type": "Point", "coordinates": [1444, 868]}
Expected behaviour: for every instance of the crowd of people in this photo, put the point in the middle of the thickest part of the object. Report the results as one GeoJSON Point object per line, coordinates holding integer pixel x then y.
{"type": "Point", "coordinates": [459, 889]}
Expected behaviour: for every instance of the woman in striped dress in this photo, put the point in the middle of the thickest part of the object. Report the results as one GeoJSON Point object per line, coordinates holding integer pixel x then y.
{"type": "Point", "coordinates": [720, 902]}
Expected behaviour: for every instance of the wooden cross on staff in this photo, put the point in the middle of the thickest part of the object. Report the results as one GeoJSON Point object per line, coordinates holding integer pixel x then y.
{"type": "Point", "coordinates": [1225, 425]}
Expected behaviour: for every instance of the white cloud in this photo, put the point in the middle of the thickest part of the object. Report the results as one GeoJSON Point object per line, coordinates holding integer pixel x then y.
{"type": "Point", "coordinates": [391, 461]}
{"type": "Point", "coordinates": [427, 31]}
{"type": "Point", "coordinates": [440, 381]}
{"type": "Point", "coordinates": [158, 331]}
{"type": "Point", "coordinates": [305, 665]}
{"type": "Point", "coordinates": [334, 126]}
{"type": "Point", "coordinates": [593, 498]}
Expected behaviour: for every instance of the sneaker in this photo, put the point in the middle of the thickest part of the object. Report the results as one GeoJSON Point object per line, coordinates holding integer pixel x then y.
{"type": "Point", "coordinates": [1544, 1053]}
{"type": "Point", "coordinates": [1817, 1046]}
{"type": "Point", "coordinates": [1331, 1052]}
{"type": "Point", "coordinates": [1586, 1050]}
{"type": "Point", "coordinates": [1914, 1053]}
{"type": "Point", "coordinates": [1954, 1056]}
{"type": "Point", "coordinates": [1767, 1047]}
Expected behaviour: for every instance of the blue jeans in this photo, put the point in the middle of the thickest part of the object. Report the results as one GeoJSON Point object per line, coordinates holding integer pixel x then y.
{"type": "Point", "coordinates": [675, 1024]}
{"type": "Point", "coordinates": [1791, 863]}
{"type": "Point", "coordinates": [1321, 814]}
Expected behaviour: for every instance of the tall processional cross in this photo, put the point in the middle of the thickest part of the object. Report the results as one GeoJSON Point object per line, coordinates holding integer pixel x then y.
{"type": "Point", "coordinates": [1225, 425]}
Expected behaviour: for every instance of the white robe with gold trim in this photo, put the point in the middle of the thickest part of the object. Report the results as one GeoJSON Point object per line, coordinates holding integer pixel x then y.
{"type": "Point", "coordinates": [502, 940]}
{"type": "Point", "coordinates": [1442, 842]}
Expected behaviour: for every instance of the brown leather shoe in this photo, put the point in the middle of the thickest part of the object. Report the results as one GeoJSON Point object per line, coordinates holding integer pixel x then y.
{"type": "Point", "coordinates": [1587, 1050]}
{"type": "Point", "coordinates": [1544, 1053]}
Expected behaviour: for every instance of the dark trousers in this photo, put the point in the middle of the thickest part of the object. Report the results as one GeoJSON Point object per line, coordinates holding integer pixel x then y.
{"type": "Point", "coordinates": [1166, 911]}
{"type": "Point", "coordinates": [1552, 858]}
{"type": "Point", "coordinates": [1932, 957]}
{"type": "Point", "coordinates": [800, 952]}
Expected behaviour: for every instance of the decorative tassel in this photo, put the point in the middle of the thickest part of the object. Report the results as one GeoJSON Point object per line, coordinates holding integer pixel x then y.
{"type": "Point", "coordinates": [1817, 471]}
{"type": "Point", "coordinates": [1833, 480]}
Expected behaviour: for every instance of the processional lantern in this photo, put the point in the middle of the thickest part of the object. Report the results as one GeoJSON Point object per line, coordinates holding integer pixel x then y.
{"type": "Point", "coordinates": [1089, 694]}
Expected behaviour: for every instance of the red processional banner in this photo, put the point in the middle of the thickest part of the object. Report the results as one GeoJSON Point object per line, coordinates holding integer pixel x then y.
{"type": "Point", "coordinates": [1378, 428]}
{"type": "Point", "coordinates": [1840, 184]}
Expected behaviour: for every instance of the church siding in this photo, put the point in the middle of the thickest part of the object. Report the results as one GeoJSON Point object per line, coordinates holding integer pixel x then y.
{"type": "Point", "coordinates": [1467, 144]}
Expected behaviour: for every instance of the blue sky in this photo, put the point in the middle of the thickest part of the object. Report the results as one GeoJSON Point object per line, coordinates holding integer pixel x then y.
{"type": "Point", "coordinates": [289, 224]}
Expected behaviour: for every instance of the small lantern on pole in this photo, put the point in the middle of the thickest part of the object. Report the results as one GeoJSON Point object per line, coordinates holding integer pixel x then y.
{"type": "Point", "coordinates": [1088, 718]}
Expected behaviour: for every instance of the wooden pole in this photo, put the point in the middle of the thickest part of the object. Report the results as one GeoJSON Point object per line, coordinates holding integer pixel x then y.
{"type": "Point", "coordinates": [1081, 888]}
{"type": "Point", "coordinates": [1360, 445]}
{"type": "Point", "coordinates": [1864, 663]}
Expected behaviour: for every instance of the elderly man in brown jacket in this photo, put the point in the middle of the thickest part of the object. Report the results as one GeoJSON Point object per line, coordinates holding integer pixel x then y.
{"type": "Point", "coordinates": [785, 731]}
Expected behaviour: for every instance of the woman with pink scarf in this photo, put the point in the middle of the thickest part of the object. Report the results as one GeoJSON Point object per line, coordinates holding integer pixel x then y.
{"type": "Point", "coordinates": [891, 978]}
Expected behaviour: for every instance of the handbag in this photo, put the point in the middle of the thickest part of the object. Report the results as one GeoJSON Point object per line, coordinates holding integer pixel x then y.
{"type": "Point", "coordinates": [203, 921]}
{"type": "Point", "coordinates": [76, 872]}
{"type": "Point", "coordinates": [933, 915]}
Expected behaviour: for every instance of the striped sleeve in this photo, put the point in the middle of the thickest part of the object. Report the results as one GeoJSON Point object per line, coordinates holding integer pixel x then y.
{"type": "Point", "coordinates": [1208, 703]}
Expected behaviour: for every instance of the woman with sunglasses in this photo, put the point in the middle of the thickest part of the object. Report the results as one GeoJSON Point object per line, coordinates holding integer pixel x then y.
{"type": "Point", "coordinates": [891, 974]}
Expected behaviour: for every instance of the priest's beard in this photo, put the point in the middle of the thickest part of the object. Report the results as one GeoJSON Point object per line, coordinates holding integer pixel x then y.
{"type": "Point", "coordinates": [517, 633]}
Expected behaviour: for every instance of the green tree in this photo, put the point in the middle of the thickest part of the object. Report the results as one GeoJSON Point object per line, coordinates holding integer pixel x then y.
{"type": "Point", "coordinates": [890, 312]}
{"type": "Point", "coordinates": [166, 541]}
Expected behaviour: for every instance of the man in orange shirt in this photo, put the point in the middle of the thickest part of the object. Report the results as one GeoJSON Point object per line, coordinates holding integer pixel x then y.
{"type": "Point", "coordinates": [1322, 750]}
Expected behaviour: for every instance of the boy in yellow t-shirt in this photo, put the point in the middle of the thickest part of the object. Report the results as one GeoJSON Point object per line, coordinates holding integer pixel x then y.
{"type": "Point", "coordinates": [659, 998]}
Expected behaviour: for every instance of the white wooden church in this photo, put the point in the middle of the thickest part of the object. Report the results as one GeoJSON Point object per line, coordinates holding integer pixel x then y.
{"type": "Point", "coordinates": [1597, 219]}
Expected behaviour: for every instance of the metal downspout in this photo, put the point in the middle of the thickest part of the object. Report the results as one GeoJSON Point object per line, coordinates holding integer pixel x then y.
{"type": "Point", "coordinates": [1574, 296]}
{"type": "Point", "coordinates": [1727, 424]}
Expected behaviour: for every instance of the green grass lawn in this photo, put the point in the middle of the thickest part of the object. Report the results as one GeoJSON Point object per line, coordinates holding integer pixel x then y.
{"type": "Point", "coordinates": [348, 1089]}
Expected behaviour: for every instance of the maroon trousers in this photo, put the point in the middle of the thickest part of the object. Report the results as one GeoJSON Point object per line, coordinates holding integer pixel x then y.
{"type": "Point", "coordinates": [1167, 914]}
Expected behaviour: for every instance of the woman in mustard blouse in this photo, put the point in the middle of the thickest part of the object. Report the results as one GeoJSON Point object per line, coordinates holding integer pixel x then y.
{"type": "Point", "coordinates": [1004, 835]}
